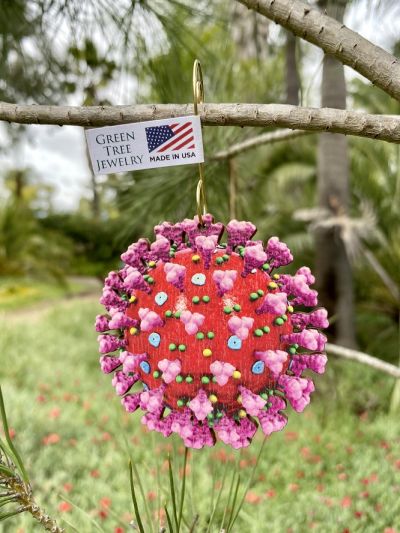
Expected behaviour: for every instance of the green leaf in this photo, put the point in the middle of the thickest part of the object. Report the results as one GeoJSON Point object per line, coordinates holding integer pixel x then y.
{"type": "Point", "coordinates": [172, 492]}
{"type": "Point", "coordinates": [134, 500]}
{"type": "Point", "coordinates": [14, 451]}
{"type": "Point", "coordinates": [183, 489]}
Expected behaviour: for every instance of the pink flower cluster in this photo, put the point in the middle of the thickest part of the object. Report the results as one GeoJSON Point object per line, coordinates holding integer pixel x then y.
{"type": "Point", "coordinates": [297, 390]}
{"type": "Point", "coordinates": [206, 246]}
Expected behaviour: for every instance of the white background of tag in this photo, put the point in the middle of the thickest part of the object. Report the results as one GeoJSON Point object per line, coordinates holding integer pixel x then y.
{"type": "Point", "coordinates": [135, 152]}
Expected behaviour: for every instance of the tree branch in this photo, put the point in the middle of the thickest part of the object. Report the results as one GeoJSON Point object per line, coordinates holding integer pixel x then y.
{"type": "Point", "coordinates": [377, 65]}
{"type": "Point", "coordinates": [383, 127]}
{"type": "Point", "coordinates": [364, 358]}
{"type": "Point", "coordinates": [266, 138]}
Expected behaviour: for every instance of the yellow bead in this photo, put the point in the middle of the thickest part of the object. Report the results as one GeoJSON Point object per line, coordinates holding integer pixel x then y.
{"type": "Point", "coordinates": [133, 331]}
{"type": "Point", "coordinates": [152, 264]}
{"type": "Point", "coordinates": [276, 276]}
{"type": "Point", "coordinates": [213, 398]}
{"type": "Point", "coordinates": [290, 309]}
{"type": "Point", "coordinates": [237, 374]}
{"type": "Point", "coordinates": [239, 399]}
{"type": "Point", "coordinates": [242, 413]}
{"type": "Point", "coordinates": [132, 299]}
{"type": "Point", "coordinates": [272, 285]}
{"type": "Point", "coordinates": [195, 258]}
{"type": "Point", "coordinates": [207, 352]}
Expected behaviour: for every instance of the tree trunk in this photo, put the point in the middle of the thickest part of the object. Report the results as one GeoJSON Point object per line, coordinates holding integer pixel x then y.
{"type": "Point", "coordinates": [292, 73]}
{"type": "Point", "coordinates": [335, 282]}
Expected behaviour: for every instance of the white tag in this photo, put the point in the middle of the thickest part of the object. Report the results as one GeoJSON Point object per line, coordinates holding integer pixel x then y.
{"type": "Point", "coordinates": [151, 144]}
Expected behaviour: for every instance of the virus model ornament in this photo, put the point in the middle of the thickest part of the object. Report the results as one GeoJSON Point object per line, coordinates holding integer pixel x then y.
{"type": "Point", "coordinates": [214, 335]}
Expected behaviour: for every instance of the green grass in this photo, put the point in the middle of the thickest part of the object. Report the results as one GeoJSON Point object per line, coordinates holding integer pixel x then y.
{"type": "Point", "coordinates": [334, 468]}
{"type": "Point", "coordinates": [22, 293]}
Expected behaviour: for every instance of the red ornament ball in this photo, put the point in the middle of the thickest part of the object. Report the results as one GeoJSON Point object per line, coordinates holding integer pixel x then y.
{"type": "Point", "coordinates": [211, 331]}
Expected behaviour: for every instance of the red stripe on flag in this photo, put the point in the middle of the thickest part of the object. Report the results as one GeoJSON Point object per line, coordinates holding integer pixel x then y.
{"type": "Point", "coordinates": [187, 141]}
{"type": "Point", "coordinates": [190, 147]}
{"type": "Point", "coordinates": [175, 140]}
{"type": "Point", "coordinates": [172, 126]}
{"type": "Point", "coordinates": [178, 130]}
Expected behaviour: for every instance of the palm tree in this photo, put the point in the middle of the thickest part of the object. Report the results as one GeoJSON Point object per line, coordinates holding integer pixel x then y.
{"type": "Point", "coordinates": [335, 280]}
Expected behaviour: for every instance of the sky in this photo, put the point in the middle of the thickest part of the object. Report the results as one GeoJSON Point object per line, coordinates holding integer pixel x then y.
{"type": "Point", "coordinates": [57, 155]}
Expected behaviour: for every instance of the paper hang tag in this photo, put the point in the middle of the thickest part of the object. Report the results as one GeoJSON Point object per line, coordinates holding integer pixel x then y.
{"type": "Point", "coordinates": [150, 144]}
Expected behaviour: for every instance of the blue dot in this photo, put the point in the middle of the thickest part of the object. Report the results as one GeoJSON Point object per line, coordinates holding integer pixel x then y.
{"type": "Point", "coordinates": [234, 343]}
{"type": "Point", "coordinates": [161, 298]}
{"type": "Point", "coordinates": [258, 367]}
{"type": "Point", "coordinates": [144, 365]}
{"type": "Point", "coordinates": [198, 279]}
{"type": "Point", "coordinates": [154, 339]}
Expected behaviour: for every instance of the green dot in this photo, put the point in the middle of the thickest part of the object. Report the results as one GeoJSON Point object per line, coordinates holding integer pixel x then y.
{"type": "Point", "coordinates": [180, 403]}
{"type": "Point", "coordinates": [296, 345]}
{"type": "Point", "coordinates": [179, 379]}
{"type": "Point", "coordinates": [269, 404]}
{"type": "Point", "coordinates": [219, 260]}
{"type": "Point", "coordinates": [206, 299]}
{"type": "Point", "coordinates": [284, 317]}
{"type": "Point", "coordinates": [264, 396]}
{"type": "Point", "coordinates": [292, 350]}
{"type": "Point", "coordinates": [172, 347]}
{"type": "Point", "coordinates": [200, 335]}
{"type": "Point", "coordinates": [205, 379]}
{"type": "Point", "coordinates": [258, 332]}
{"type": "Point", "coordinates": [195, 299]}
{"type": "Point", "coordinates": [156, 374]}
{"type": "Point", "coordinates": [237, 307]}
{"type": "Point", "coordinates": [177, 314]}
{"type": "Point", "coordinates": [210, 416]}
{"type": "Point", "coordinates": [181, 347]}
{"type": "Point", "coordinates": [210, 334]}
{"type": "Point", "coordinates": [241, 253]}
{"type": "Point", "coordinates": [172, 253]}
{"type": "Point", "coordinates": [279, 321]}
{"type": "Point", "coordinates": [227, 310]}
{"type": "Point", "coordinates": [214, 379]}
{"type": "Point", "coordinates": [225, 257]}
{"type": "Point", "coordinates": [168, 313]}
{"type": "Point", "coordinates": [124, 296]}
{"type": "Point", "coordinates": [265, 266]}
{"type": "Point", "coordinates": [150, 280]}
{"type": "Point", "coordinates": [189, 379]}
{"type": "Point", "coordinates": [219, 414]}
{"type": "Point", "coordinates": [253, 296]}
{"type": "Point", "coordinates": [260, 292]}
{"type": "Point", "coordinates": [266, 329]}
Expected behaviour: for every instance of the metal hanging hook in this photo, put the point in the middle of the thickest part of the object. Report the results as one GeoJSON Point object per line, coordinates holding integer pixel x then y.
{"type": "Point", "coordinates": [198, 98]}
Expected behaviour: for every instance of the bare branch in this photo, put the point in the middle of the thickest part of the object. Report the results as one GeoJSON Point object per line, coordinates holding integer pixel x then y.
{"type": "Point", "coordinates": [364, 358]}
{"type": "Point", "coordinates": [266, 138]}
{"type": "Point", "coordinates": [373, 62]}
{"type": "Point", "coordinates": [383, 127]}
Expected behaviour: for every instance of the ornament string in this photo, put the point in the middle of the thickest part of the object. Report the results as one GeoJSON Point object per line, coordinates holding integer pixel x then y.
{"type": "Point", "coordinates": [198, 98]}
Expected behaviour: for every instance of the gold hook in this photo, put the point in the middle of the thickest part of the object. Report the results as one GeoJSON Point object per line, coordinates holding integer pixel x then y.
{"type": "Point", "coordinates": [198, 98]}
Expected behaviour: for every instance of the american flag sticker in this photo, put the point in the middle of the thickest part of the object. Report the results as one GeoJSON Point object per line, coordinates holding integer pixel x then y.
{"type": "Point", "coordinates": [141, 145]}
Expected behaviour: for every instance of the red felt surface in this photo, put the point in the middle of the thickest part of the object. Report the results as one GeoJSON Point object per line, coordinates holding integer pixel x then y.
{"type": "Point", "coordinates": [192, 360]}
